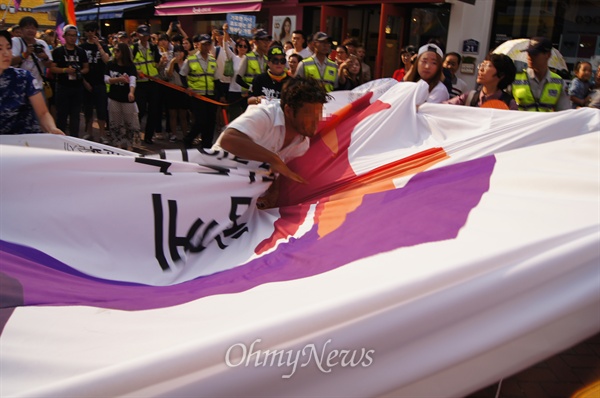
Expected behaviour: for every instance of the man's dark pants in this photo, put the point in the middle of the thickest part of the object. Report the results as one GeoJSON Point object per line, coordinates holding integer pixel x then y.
{"type": "Point", "coordinates": [147, 97]}
{"type": "Point", "coordinates": [204, 122]}
{"type": "Point", "coordinates": [68, 102]}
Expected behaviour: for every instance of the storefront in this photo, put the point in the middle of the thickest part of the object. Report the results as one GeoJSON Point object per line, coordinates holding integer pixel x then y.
{"type": "Point", "coordinates": [469, 27]}
{"type": "Point", "coordinates": [112, 16]}
{"type": "Point", "coordinates": [382, 26]}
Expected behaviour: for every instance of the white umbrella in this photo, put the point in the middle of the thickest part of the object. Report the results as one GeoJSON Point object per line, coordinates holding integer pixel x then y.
{"type": "Point", "coordinates": [514, 49]}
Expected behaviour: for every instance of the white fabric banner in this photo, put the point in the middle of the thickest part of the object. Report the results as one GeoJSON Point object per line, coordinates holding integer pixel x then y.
{"type": "Point", "coordinates": [434, 245]}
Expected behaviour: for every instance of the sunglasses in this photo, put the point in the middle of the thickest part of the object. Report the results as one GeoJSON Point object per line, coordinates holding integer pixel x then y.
{"type": "Point", "coordinates": [277, 61]}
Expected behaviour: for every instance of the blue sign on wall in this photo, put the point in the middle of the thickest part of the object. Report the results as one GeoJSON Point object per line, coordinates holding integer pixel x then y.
{"type": "Point", "coordinates": [240, 24]}
{"type": "Point", "coordinates": [470, 46]}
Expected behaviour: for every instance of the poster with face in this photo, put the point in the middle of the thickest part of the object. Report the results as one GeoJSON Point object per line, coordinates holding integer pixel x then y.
{"type": "Point", "coordinates": [283, 26]}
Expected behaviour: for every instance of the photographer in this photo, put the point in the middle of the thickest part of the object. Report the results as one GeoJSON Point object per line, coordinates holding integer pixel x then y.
{"type": "Point", "coordinates": [69, 65]}
{"type": "Point", "coordinates": [30, 53]}
{"type": "Point", "coordinates": [176, 29]}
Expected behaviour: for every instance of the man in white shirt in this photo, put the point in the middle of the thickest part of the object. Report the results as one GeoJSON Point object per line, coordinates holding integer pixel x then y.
{"type": "Point", "coordinates": [276, 133]}
{"type": "Point", "coordinates": [299, 40]}
{"type": "Point", "coordinates": [30, 53]}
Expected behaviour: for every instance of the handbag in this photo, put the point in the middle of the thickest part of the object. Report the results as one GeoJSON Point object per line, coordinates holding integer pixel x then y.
{"type": "Point", "coordinates": [48, 93]}
{"type": "Point", "coordinates": [228, 69]}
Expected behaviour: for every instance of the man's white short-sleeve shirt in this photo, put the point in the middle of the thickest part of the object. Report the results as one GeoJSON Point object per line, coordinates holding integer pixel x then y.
{"type": "Point", "coordinates": [265, 125]}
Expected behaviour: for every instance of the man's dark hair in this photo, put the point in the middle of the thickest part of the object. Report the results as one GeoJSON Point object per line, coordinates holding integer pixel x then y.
{"type": "Point", "coordinates": [90, 26]}
{"type": "Point", "coordinates": [26, 21]}
{"type": "Point", "coordinates": [300, 32]}
{"type": "Point", "coordinates": [505, 69]}
{"type": "Point", "coordinates": [298, 91]}
{"type": "Point", "coordinates": [457, 55]}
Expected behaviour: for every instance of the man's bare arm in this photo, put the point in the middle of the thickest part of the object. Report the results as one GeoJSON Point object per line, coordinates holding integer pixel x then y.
{"type": "Point", "coordinates": [242, 146]}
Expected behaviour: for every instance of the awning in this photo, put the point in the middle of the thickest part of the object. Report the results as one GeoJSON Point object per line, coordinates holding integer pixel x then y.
{"type": "Point", "coordinates": [197, 7]}
{"type": "Point", "coordinates": [108, 12]}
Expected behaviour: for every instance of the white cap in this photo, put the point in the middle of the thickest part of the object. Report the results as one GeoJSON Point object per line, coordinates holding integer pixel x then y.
{"type": "Point", "coordinates": [431, 47]}
{"type": "Point", "coordinates": [71, 27]}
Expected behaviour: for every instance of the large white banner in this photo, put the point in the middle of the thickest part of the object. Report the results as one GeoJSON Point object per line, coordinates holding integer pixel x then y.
{"type": "Point", "coordinates": [430, 246]}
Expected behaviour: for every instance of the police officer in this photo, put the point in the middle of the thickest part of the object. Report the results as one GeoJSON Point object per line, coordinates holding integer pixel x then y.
{"type": "Point", "coordinates": [255, 61]}
{"type": "Point", "coordinates": [319, 66]}
{"type": "Point", "coordinates": [147, 59]}
{"type": "Point", "coordinates": [538, 89]}
{"type": "Point", "coordinates": [200, 70]}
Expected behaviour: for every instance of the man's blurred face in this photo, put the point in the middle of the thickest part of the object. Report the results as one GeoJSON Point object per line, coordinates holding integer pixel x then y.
{"type": "Point", "coordinates": [28, 31]}
{"type": "Point", "coordinates": [70, 37]}
{"type": "Point", "coordinates": [263, 45]}
{"type": "Point", "coordinates": [323, 47]}
{"type": "Point", "coordinates": [205, 48]}
{"type": "Point", "coordinates": [90, 34]}
{"type": "Point", "coordinates": [451, 63]}
{"type": "Point", "coordinates": [538, 62]}
{"type": "Point", "coordinates": [297, 40]}
{"type": "Point", "coordinates": [306, 119]}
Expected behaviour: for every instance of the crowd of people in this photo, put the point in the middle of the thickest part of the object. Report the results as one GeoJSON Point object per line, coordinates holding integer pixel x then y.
{"type": "Point", "coordinates": [144, 78]}
{"type": "Point", "coordinates": [499, 84]}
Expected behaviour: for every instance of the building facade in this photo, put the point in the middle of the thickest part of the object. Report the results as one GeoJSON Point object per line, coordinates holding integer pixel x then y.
{"type": "Point", "coordinates": [469, 27]}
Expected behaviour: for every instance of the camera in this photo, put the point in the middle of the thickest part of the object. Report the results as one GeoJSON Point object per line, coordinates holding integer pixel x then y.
{"type": "Point", "coordinates": [77, 68]}
{"type": "Point", "coordinates": [38, 48]}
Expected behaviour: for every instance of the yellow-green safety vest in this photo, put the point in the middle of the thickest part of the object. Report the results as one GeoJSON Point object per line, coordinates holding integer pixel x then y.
{"type": "Point", "coordinates": [199, 80]}
{"type": "Point", "coordinates": [547, 101]}
{"type": "Point", "coordinates": [330, 75]}
{"type": "Point", "coordinates": [144, 62]}
{"type": "Point", "coordinates": [253, 68]}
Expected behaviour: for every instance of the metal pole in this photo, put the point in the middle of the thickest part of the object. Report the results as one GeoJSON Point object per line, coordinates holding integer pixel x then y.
{"type": "Point", "coordinates": [98, 19]}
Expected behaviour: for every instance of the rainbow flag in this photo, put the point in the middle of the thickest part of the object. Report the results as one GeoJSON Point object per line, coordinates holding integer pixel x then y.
{"type": "Point", "coordinates": [17, 5]}
{"type": "Point", "coordinates": [65, 16]}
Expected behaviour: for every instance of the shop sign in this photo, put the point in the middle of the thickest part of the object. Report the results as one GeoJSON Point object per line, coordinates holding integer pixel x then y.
{"type": "Point", "coordinates": [241, 24]}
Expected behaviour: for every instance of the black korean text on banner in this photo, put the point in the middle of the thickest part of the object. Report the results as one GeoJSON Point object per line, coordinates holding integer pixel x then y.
{"type": "Point", "coordinates": [199, 235]}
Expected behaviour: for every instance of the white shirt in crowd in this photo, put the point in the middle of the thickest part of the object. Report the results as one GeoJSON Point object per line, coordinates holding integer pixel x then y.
{"type": "Point", "coordinates": [265, 125]}
{"type": "Point", "coordinates": [18, 47]}
{"type": "Point", "coordinates": [438, 94]}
